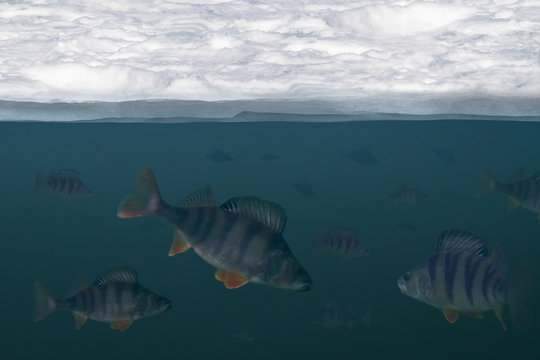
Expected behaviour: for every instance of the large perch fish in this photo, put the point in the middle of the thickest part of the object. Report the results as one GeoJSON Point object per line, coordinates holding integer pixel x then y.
{"type": "Point", "coordinates": [241, 238]}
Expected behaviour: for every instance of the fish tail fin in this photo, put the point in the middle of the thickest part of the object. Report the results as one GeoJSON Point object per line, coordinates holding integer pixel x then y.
{"type": "Point", "coordinates": [487, 183]}
{"type": "Point", "coordinates": [520, 297]}
{"type": "Point", "coordinates": [40, 181]}
{"type": "Point", "coordinates": [144, 200]}
{"type": "Point", "coordinates": [44, 302]}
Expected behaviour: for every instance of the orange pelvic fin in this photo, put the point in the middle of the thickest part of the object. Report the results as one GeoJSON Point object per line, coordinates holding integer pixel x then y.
{"type": "Point", "coordinates": [451, 315]}
{"type": "Point", "coordinates": [179, 245]}
{"type": "Point", "coordinates": [80, 319]}
{"type": "Point", "coordinates": [122, 324]}
{"type": "Point", "coordinates": [499, 314]}
{"type": "Point", "coordinates": [231, 279]}
{"type": "Point", "coordinates": [474, 315]}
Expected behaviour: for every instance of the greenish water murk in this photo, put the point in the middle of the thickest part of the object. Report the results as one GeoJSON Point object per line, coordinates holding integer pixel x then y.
{"type": "Point", "coordinates": [55, 241]}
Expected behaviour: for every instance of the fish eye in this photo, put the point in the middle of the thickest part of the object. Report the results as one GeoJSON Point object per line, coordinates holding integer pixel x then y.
{"type": "Point", "coordinates": [406, 276]}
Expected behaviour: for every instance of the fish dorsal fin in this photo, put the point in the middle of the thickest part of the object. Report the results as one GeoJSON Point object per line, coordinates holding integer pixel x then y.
{"type": "Point", "coordinates": [78, 286]}
{"type": "Point", "coordinates": [265, 212]}
{"type": "Point", "coordinates": [497, 260]}
{"type": "Point", "coordinates": [460, 240]}
{"type": "Point", "coordinates": [121, 274]}
{"type": "Point", "coordinates": [521, 175]}
{"type": "Point", "coordinates": [204, 197]}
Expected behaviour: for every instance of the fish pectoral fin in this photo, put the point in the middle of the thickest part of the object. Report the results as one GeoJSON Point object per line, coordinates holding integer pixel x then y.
{"type": "Point", "coordinates": [499, 314]}
{"type": "Point", "coordinates": [179, 245]}
{"type": "Point", "coordinates": [80, 319]}
{"type": "Point", "coordinates": [122, 324]}
{"type": "Point", "coordinates": [231, 279]}
{"type": "Point", "coordinates": [451, 315]}
{"type": "Point", "coordinates": [474, 315]}
{"type": "Point", "coordinates": [512, 204]}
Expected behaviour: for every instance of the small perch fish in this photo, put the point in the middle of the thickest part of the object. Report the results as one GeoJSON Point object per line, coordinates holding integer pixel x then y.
{"type": "Point", "coordinates": [115, 297]}
{"type": "Point", "coordinates": [342, 242]}
{"type": "Point", "coordinates": [219, 156]}
{"type": "Point", "coordinates": [65, 182]}
{"type": "Point", "coordinates": [408, 193]}
{"type": "Point", "coordinates": [333, 315]}
{"type": "Point", "coordinates": [362, 156]}
{"type": "Point", "coordinates": [524, 191]}
{"type": "Point", "coordinates": [303, 188]}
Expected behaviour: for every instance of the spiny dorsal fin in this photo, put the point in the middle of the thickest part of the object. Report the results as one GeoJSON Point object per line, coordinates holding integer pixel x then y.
{"type": "Point", "coordinates": [460, 240]}
{"type": "Point", "coordinates": [266, 212]}
{"type": "Point", "coordinates": [204, 197]}
{"type": "Point", "coordinates": [121, 274]}
{"type": "Point", "coordinates": [497, 260]}
{"type": "Point", "coordinates": [78, 286]}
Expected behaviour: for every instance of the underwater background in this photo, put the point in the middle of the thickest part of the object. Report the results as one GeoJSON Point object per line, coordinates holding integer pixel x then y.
{"type": "Point", "coordinates": [55, 241]}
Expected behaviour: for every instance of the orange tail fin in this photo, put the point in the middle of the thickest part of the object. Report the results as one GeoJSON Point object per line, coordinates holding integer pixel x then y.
{"type": "Point", "coordinates": [145, 198]}
{"type": "Point", "coordinates": [44, 302]}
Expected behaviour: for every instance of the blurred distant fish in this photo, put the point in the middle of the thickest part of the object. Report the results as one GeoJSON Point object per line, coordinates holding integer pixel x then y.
{"type": "Point", "coordinates": [333, 315]}
{"type": "Point", "coordinates": [459, 277]}
{"type": "Point", "coordinates": [65, 182]}
{"type": "Point", "coordinates": [523, 191]}
{"type": "Point", "coordinates": [242, 238]}
{"type": "Point", "coordinates": [115, 297]}
{"type": "Point", "coordinates": [219, 156]}
{"type": "Point", "coordinates": [342, 242]}
{"type": "Point", "coordinates": [445, 155]}
{"type": "Point", "coordinates": [269, 157]}
{"type": "Point", "coordinates": [303, 188]}
{"type": "Point", "coordinates": [362, 156]}
{"type": "Point", "coordinates": [408, 193]}
{"type": "Point", "coordinates": [241, 334]}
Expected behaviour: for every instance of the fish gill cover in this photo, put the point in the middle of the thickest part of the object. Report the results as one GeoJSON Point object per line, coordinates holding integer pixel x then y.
{"type": "Point", "coordinates": [215, 59]}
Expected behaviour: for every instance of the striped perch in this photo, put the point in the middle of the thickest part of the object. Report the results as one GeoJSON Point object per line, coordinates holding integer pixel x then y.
{"type": "Point", "coordinates": [523, 191]}
{"type": "Point", "coordinates": [65, 182]}
{"type": "Point", "coordinates": [342, 242]}
{"type": "Point", "coordinates": [115, 297]}
{"type": "Point", "coordinates": [459, 277]}
{"type": "Point", "coordinates": [242, 238]}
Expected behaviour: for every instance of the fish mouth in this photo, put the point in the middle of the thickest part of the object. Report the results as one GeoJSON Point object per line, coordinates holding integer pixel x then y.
{"type": "Point", "coordinates": [402, 285]}
{"type": "Point", "coordinates": [304, 287]}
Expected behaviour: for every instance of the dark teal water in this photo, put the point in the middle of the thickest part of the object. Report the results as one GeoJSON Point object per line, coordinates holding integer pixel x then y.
{"type": "Point", "coordinates": [47, 239]}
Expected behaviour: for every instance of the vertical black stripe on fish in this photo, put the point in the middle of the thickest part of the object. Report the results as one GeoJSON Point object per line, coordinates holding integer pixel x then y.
{"type": "Point", "coordinates": [471, 267]}
{"type": "Point", "coordinates": [119, 291]}
{"type": "Point", "coordinates": [348, 243]}
{"type": "Point", "coordinates": [91, 301]}
{"type": "Point", "coordinates": [252, 230]}
{"type": "Point", "coordinates": [71, 303]}
{"type": "Point", "coordinates": [70, 185]}
{"type": "Point", "coordinates": [432, 266]}
{"type": "Point", "coordinates": [488, 274]}
{"type": "Point", "coordinates": [61, 184]}
{"type": "Point", "coordinates": [339, 243]}
{"type": "Point", "coordinates": [200, 215]}
{"type": "Point", "coordinates": [83, 301]}
{"type": "Point", "coordinates": [103, 298]}
{"type": "Point", "coordinates": [208, 226]}
{"type": "Point", "coordinates": [229, 223]}
{"type": "Point", "coordinates": [498, 289]}
{"type": "Point", "coordinates": [450, 267]}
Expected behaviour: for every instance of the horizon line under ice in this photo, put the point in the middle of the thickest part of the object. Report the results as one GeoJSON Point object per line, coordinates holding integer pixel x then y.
{"type": "Point", "coordinates": [407, 56]}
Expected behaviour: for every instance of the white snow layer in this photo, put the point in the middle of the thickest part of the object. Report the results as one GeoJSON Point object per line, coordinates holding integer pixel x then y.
{"type": "Point", "coordinates": [395, 56]}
